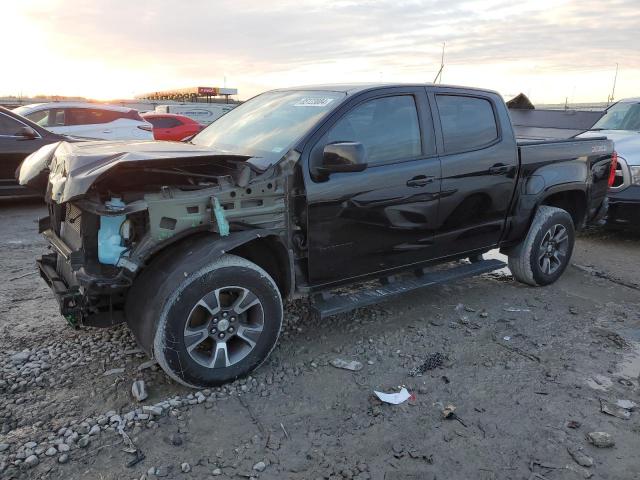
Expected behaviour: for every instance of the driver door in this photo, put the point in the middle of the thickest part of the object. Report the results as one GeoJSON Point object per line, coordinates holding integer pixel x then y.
{"type": "Point", "coordinates": [382, 218]}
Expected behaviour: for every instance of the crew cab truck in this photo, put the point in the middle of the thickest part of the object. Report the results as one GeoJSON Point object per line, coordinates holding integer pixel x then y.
{"type": "Point", "coordinates": [297, 192]}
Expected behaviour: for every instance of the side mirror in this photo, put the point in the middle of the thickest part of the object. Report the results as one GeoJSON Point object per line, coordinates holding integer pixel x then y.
{"type": "Point", "coordinates": [27, 133]}
{"type": "Point", "coordinates": [343, 157]}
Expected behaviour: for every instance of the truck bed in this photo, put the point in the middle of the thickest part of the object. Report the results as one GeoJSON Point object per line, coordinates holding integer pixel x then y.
{"type": "Point", "coordinates": [551, 124]}
{"type": "Point", "coordinates": [541, 151]}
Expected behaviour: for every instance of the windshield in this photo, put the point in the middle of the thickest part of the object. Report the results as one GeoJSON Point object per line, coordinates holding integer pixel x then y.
{"type": "Point", "coordinates": [621, 116]}
{"type": "Point", "coordinates": [268, 125]}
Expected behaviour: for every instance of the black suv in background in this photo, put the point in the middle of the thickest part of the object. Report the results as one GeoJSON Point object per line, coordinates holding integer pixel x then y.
{"type": "Point", "coordinates": [19, 137]}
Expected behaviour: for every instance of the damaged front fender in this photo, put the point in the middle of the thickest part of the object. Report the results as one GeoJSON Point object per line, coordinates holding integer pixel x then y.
{"type": "Point", "coordinates": [74, 168]}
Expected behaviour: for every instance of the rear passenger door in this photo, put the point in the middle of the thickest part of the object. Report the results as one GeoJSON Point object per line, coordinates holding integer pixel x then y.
{"type": "Point", "coordinates": [479, 168]}
{"type": "Point", "coordinates": [382, 218]}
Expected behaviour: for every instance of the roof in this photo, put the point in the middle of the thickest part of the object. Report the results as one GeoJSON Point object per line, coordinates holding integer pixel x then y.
{"type": "Point", "coordinates": [101, 106]}
{"type": "Point", "coordinates": [353, 88]}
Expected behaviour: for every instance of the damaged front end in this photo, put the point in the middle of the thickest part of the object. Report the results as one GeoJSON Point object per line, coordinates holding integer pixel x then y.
{"type": "Point", "coordinates": [113, 206]}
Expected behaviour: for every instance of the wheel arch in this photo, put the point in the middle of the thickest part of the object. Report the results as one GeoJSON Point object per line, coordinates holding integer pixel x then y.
{"type": "Point", "coordinates": [190, 253]}
{"type": "Point", "coordinates": [572, 200]}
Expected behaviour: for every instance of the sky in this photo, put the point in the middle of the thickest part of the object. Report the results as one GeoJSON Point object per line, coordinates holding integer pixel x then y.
{"type": "Point", "coordinates": [551, 50]}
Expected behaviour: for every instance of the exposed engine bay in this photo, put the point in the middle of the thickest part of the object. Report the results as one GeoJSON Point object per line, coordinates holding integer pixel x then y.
{"type": "Point", "coordinates": [109, 213]}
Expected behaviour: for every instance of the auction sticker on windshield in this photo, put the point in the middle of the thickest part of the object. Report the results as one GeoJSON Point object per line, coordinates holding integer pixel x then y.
{"type": "Point", "coordinates": [313, 102]}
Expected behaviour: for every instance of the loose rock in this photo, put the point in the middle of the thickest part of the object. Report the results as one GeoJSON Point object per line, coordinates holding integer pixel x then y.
{"type": "Point", "coordinates": [601, 439]}
{"type": "Point", "coordinates": [139, 390]}
{"type": "Point", "coordinates": [260, 466]}
{"type": "Point", "coordinates": [31, 461]}
{"type": "Point", "coordinates": [580, 457]}
{"type": "Point", "coordinates": [352, 365]}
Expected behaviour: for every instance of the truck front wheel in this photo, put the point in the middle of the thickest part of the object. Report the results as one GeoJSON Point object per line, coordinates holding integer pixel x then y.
{"type": "Point", "coordinates": [545, 252]}
{"type": "Point", "coordinates": [219, 323]}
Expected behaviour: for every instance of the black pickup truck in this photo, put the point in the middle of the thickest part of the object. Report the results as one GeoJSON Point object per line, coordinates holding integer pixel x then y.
{"type": "Point", "coordinates": [297, 192]}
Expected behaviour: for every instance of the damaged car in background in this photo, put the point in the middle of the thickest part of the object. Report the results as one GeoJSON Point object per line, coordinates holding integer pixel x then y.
{"type": "Point", "coordinates": [297, 192]}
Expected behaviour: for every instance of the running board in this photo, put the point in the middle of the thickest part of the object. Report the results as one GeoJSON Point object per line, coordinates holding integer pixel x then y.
{"type": "Point", "coordinates": [325, 304]}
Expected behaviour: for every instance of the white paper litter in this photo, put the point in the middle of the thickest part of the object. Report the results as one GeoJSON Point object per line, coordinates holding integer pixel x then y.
{"type": "Point", "coordinates": [394, 398]}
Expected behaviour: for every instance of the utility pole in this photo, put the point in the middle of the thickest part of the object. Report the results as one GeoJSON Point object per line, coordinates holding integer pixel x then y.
{"type": "Point", "coordinates": [439, 74]}
{"type": "Point", "coordinates": [613, 90]}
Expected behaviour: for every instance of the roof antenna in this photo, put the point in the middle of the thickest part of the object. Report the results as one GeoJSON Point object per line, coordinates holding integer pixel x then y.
{"type": "Point", "coordinates": [613, 90]}
{"type": "Point", "coordinates": [439, 74]}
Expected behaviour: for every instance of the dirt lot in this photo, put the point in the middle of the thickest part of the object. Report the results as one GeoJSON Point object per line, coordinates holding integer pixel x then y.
{"type": "Point", "coordinates": [528, 370]}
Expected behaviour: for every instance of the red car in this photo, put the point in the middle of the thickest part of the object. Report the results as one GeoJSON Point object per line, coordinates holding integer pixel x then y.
{"type": "Point", "coordinates": [168, 126]}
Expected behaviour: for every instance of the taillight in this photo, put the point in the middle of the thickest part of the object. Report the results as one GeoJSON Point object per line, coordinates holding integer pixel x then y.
{"type": "Point", "coordinates": [614, 164]}
{"type": "Point", "coordinates": [146, 128]}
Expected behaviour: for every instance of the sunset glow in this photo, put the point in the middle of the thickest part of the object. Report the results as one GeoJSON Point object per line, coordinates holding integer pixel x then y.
{"type": "Point", "coordinates": [550, 50]}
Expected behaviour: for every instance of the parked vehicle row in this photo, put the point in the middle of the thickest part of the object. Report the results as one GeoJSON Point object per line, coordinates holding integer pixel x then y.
{"type": "Point", "coordinates": [107, 122]}
{"type": "Point", "coordinates": [297, 192]}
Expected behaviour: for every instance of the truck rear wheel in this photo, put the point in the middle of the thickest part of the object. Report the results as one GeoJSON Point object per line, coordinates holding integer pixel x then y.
{"type": "Point", "coordinates": [218, 323]}
{"type": "Point", "coordinates": [545, 252]}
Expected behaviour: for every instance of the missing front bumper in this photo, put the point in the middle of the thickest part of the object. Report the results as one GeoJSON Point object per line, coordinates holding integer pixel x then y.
{"type": "Point", "coordinates": [69, 298]}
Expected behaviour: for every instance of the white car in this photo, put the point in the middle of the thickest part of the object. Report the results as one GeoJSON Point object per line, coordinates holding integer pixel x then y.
{"type": "Point", "coordinates": [92, 120]}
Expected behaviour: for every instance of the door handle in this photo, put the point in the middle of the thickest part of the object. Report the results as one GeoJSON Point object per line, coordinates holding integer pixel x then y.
{"type": "Point", "coordinates": [420, 181]}
{"type": "Point", "coordinates": [107, 131]}
{"type": "Point", "coordinates": [499, 169]}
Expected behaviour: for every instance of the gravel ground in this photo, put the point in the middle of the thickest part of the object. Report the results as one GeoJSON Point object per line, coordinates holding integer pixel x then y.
{"type": "Point", "coordinates": [531, 373]}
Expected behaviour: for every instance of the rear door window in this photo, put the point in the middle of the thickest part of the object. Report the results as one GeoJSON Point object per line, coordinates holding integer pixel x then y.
{"type": "Point", "coordinates": [468, 123]}
{"type": "Point", "coordinates": [92, 116]}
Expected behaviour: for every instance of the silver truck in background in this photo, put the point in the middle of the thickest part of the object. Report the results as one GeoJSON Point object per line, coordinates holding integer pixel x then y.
{"type": "Point", "coordinates": [621, 123]}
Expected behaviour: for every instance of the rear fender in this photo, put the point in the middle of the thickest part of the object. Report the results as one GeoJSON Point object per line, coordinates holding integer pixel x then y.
{"type": "Point", "coordinates": [536, 192]}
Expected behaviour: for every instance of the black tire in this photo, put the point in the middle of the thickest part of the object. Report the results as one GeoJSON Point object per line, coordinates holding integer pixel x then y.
{"type": "Point", "coordinates": [181, 299]}
{"type": "Point", "coordinates": [546, 250]}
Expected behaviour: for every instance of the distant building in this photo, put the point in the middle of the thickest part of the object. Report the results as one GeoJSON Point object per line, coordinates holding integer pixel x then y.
{"type": "Point", "coordinates": [193, 94]}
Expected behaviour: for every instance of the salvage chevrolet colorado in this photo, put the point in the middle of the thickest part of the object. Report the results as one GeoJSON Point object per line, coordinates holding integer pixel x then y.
{"type": "Point", "coordinates": [297, 192]}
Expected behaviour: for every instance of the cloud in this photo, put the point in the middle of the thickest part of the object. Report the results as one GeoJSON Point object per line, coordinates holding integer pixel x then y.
{"type": "Point", "coordinates": [261, 44]}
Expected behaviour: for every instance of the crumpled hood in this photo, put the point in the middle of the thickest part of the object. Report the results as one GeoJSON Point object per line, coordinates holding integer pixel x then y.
{"type": "Point", "coordinates": [626, 143]}
{"type": "Point", "coordinates": [73, 167]}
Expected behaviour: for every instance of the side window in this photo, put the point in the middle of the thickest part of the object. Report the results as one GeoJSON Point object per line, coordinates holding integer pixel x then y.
{"type": "Point", "coordinates": [53, 117]}
{"type": "Point", "coordinates": [92, 116]}
{"type": "Point", "coordinates": [104, 116]}
{"type": "Point", "coordinates": [78, 116]}
{"type": "Point", "coordinates": [387, 127]}
{"type": "Point", "coordinates": [40, 117]}
{"type": "Point", "coordinates": [468, 123]}
{"type": "Point", "coordinates": [8, 126]}
{"type": "Point", "coordinates": [163, 122]}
